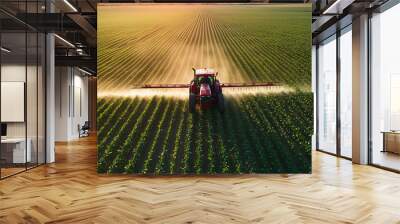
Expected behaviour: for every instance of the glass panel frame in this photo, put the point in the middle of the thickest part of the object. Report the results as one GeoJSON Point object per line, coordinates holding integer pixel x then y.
{"type": "Point", "coordinates": [384, 133]}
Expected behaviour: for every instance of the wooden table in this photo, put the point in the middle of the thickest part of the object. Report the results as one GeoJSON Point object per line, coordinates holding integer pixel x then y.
{"type": "Point", "coordinates": [391, 141]}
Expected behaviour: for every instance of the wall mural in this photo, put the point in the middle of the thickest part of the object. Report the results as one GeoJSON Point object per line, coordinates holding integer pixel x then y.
{"type": "Point", "coordinates": [204, 88]}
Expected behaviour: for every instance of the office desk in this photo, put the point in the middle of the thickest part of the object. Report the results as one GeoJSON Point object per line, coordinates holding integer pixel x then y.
{"type": "Point", "coordinates": [391, 141]}
{"type": "Point", "coordinates": [13, 150]}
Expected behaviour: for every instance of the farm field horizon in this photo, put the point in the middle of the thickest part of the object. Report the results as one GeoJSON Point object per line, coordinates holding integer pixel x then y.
{"type": "Point", "coordinates": [263, 130]}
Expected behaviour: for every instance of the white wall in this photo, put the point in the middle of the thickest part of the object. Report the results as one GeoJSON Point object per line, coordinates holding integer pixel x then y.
{"type": "Point", "coordinates": [71, 102]}
{"type": "Point", "coordinates": [13, 101]}
{"type": "Point", "coordinates": [16, 73]}
{"type": "Point", "coordinates": [13, 72]}
{"type": "Point", "coordinates": [83, 83]}
{"type": "Point", "coordinates": [33, 127]}
{"type": "Point", "coordinates": [62, 82]}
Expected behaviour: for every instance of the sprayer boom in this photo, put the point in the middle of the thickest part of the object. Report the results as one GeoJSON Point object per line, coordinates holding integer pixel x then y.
{"type": "Point", "coordinates": [251, 84]}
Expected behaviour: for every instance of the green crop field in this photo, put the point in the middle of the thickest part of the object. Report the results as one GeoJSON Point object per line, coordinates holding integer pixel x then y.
{"type": "Point", "coordinates": [260, 132]}
{"type": "Point", "coordinates": [161, 44]}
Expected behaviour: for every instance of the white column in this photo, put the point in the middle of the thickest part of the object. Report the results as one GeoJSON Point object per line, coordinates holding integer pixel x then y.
{"type": "Point", "coordinates": [50, 94]}
{"type": "Point", "coordinates": [360, 90]}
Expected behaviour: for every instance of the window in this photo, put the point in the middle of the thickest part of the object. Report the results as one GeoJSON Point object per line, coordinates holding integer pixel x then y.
{"type": "Point", "coordinates": [346, 92]}
{"type": "Point", "coordinates": [327, 95]}
{"type": "Point", "coordinates": [385, 88]}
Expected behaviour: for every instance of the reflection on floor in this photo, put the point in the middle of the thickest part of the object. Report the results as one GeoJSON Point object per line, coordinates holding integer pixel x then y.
{"type": "Point", "coordinates": [8, 170]}
{"type": "Point", "coordinates": [387, 159]}
{"type": "Point", "coordinates": [70, 191]}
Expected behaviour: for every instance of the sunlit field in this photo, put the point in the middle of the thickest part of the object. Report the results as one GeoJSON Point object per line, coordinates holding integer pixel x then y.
{"type": "Point", "coordinates": [263, 130]}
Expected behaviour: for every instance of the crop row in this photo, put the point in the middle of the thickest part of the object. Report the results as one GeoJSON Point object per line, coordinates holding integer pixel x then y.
{"type": "Point", "coordinates": [157, 135]}
{"type": "Point", "coordinates": [262, 44]}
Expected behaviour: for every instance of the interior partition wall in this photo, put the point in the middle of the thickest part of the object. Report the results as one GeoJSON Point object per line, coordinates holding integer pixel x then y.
{"type": "Point", "coordinates": [334, 94]}
{"type": "Point", "coordinates": [385, 89]}
{"type": "Point", "coordinates": [22, 77]}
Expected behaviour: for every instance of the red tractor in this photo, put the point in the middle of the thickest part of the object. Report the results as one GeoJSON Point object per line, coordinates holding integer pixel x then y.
{"type": "Point", "coordinates": [205, 90]}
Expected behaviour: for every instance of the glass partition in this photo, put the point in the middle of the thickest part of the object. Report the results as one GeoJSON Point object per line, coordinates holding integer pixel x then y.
{"type": "Point", "coordinates": [327, 95]}
{"type": "Point", "coordinates": [14, 153]}
{"type": "Point", "coordinates": [22, 64]}
{"type": "Point", "coordinates": [385, 89]}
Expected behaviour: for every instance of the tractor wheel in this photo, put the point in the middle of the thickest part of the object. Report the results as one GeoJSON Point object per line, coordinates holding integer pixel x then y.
{"type": "Point", "coordinates": [221, 103]}
{"type": "Point", "coordinates": [192, 103]}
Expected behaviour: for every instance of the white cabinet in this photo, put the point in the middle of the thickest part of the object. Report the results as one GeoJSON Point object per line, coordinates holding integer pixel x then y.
{"type": "Point", "coordinates": [19, 155]}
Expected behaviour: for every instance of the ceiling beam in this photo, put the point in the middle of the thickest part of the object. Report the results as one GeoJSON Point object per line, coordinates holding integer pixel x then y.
{"type": "Point", "coordinates": [86, 27]}
{"type": "Point", "coordinates": [77, 61]}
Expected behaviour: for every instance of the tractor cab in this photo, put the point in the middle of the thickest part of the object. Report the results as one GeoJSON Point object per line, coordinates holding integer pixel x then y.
{"type": "Point", "coordinates": [205, 89]}
{"type": "Point", "coordinates": [204, 76]}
